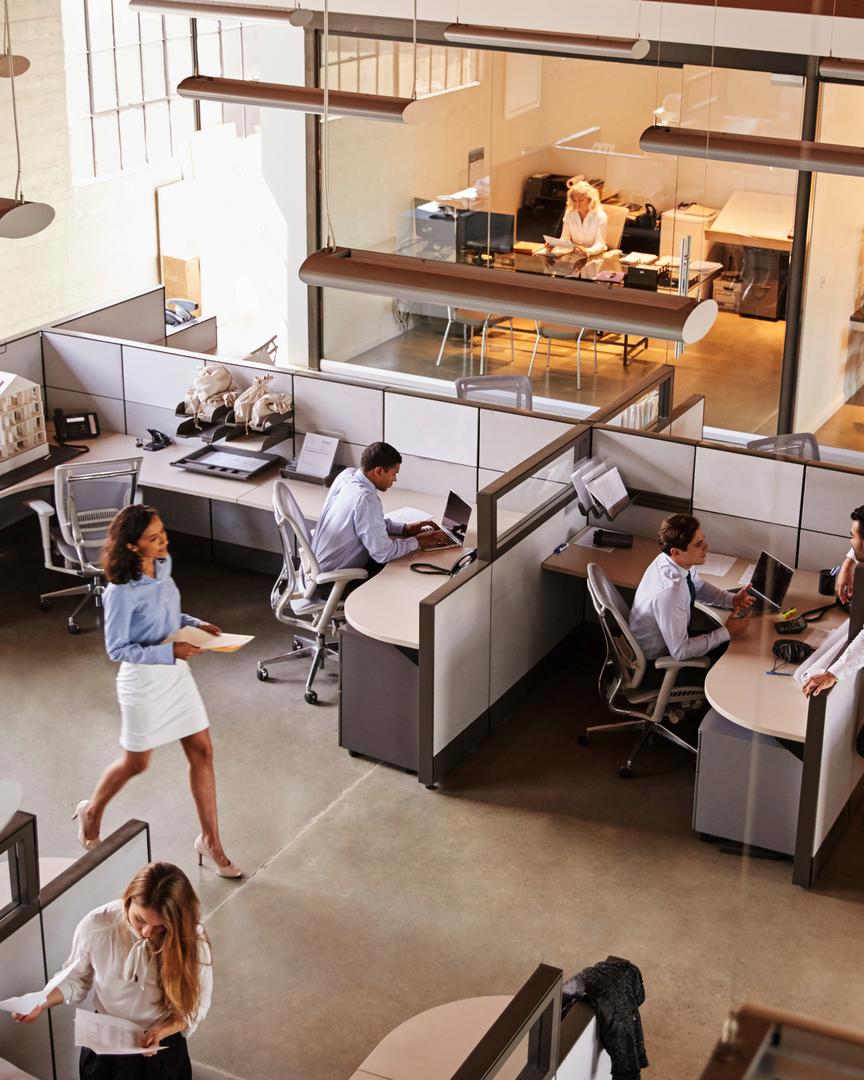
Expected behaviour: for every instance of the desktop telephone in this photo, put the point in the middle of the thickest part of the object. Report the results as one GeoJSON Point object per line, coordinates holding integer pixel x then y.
{"type": "Point", "coordinates": [83, 425]}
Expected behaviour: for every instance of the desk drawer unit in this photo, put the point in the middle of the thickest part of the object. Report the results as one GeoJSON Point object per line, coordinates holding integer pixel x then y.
{"type": "Point", "coordinates": [747, 786]}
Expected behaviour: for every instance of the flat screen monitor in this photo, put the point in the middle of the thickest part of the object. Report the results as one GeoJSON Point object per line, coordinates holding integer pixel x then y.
{"type": "Point", "coordinates": [478, 230]}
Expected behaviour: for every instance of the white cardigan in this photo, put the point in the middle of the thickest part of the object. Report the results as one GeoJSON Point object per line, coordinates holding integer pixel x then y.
{"type": "Point", "coordinates": [589, 234]}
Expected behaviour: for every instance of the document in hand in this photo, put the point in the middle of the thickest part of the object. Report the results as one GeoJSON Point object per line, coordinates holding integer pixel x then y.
{"type": "Point", "coordinates": [608, 488]}
{"type": "Point", "coordinates": [211, 642]}
{"type": "Point", "coordinates": [24, 1004]}
{"type": "Point", "coordinates": [109, 1034]}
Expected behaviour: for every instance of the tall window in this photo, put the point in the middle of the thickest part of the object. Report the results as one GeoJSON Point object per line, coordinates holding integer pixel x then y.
{"type": "Point", "coordinates": [387, 67]}
{"type": "Point", "coordinates": [122, 70]}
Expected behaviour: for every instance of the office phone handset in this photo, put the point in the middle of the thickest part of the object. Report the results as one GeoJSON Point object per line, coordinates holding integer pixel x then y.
{"type": "Point", "coordinates": [446, 571]}
{"type": "Point", "coordinates": [84, 425]}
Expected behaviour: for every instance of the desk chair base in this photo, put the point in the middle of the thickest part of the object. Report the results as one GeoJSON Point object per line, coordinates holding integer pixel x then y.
{"type": "Point", "coordinates": [93, 589]}
{"type": "Point", "coordinates": [319, 649]}
{"type": "Point", "coordinates": [647, 730]}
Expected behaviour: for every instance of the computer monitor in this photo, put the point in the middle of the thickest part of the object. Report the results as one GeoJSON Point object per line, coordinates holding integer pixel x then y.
{"type": "Point", "coordinates": [479, 230]}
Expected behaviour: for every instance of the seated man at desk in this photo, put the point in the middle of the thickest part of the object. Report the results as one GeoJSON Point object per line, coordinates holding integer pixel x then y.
{"type": "Point", "coordinates": [855, 555]}
{"type": "Point", "coordinates": [663, 605]}
{"type": "Point", "coordinates": [352, 529]}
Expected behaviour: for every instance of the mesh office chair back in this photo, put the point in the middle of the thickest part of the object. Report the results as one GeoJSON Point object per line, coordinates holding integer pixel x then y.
{"type": "Point", "coordinates": [800, 444]}
{"type": "Point", "coordinates": [87, 496]}
{"type": "Point", "coordinates": [623, 654]}
{"type": "Point", "coordinates": [295, 586]}
{"type": "Point", "coordinates": [514, 390]}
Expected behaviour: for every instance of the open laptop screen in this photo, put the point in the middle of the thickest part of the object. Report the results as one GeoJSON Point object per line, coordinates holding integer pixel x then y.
{"type": "Point", "coordinates": [771, 579]}
{"type": "Point", "coordinates": [457, 514]}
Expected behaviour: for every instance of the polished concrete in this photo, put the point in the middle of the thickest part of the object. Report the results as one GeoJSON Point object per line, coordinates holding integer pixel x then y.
{"type": "Point", "coordinates": [736, 367]}
{"type": "Point", "coordinates": [370, 899]}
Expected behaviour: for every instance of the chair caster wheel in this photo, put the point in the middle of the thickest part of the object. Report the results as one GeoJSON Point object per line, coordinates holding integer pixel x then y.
{"type": "Point", "coordinates": [74, 628]}
{"type": "Point", "coordinates": [583, 738]}
{"type": "Point", "coordinates": [310, 697]}
{"type": "Point", "coordinates": [263, 674]}
{"type": "Point", "coordinates": [625, 772]}
{"type": "Point", "coordinates": [45, 605]}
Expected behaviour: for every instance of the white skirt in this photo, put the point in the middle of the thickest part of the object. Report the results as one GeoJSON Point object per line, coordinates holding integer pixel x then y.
{"type": "Point", "coordinates": [159, 703]}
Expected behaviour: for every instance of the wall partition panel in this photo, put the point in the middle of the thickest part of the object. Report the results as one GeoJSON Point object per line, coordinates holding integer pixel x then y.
{"type": "Point", "coordinates": [139, 318]}
{"type": "Point", "coordinates": [747, 538]}
{"type": "Point", "coordinates": [817, 550]}
{"type": "Point", "coordinates": [356, 413]}
{"type": "Point", "coordinates": [830, 495]}
{"type": "Point", "coordinates": [87, 365]}
{"type": "Point", "coordinates": [437, 477]}
{"type": "Point", "coordinates": [22, 969]}
{"type": "Point", "coordinates": [748, 485]}
{"type": "Point", "coordinates": [429, 428]}
{"type": "Point", "coordinates": [23, 356]}
{"type": "Point", "coordinates": [507, 439]}
{"type": "Point", "coordinates": [111, 411]}
{"type": "Point", "coordinates": [656, 464]}
{"type": "Point", "coordinates": [158, 377]}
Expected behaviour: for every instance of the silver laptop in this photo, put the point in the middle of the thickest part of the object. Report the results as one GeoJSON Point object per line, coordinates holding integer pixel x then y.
{"type": "Point", "coordinates": [454, 524]}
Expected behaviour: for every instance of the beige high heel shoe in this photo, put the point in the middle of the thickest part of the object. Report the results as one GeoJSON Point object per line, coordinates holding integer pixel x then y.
{"type": "Point", "coordinates": [88, 845]}
{"type": "Point", "coordinates": [229, 871]}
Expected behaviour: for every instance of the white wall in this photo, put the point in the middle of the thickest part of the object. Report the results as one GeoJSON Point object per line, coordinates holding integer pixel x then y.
{"type": "Point", "coordinates": [832, 357]}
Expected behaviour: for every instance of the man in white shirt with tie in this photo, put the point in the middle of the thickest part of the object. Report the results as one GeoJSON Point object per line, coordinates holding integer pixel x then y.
{"type": "Point", "coordinates": [353, 531]}
{"type": "Point", "coordinates": [663, 605]}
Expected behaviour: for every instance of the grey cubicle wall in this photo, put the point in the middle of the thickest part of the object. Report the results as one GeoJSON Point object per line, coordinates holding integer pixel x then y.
{"type": "Point", "coordinates": [830, 493]}
{"type": "Point", "coordinates": [137, 318]}
{"type": "Point", "coordinates": [688, 418]}
{"type": "Point", "coordinates": [200, 336]}
{"type": "Point", "coordinates": [23, 356]}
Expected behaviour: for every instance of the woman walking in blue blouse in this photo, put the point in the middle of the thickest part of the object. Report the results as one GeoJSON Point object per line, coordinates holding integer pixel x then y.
{"type": "Point", "coordinates": [159, 701]}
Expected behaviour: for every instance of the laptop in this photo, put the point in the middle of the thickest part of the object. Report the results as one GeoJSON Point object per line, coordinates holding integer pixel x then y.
{"type": "Point", "coordinates": [454, 524]}
{"type": "Point", "coordinates": [769, 584]}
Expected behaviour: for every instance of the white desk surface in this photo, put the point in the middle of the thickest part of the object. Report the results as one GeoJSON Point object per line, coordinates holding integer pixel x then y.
{"type": "Point", "coordinates": [755, 219]}
{"type": "Point", "coordinates": [433, 1044]}
{"type": "Point", "coordinates": [386, 607]}
{"type": "Point", "coordinates": [736, 685]}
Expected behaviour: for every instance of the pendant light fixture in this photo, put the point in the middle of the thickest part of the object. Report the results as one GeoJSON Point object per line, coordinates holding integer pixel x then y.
{"type": "Point", "coordinates": [19, 218]}
{"type": "Point", "coordinates": [12, 65]}
{"type": "Point", "coordinates": [501, 37]}
{"type": "Point", "coordinates": [833, 67]}
{"type": "Point", "coordinates": [529, 296]}
{"type": "Point", "coordinates": [308, 99]}
{"type": "Point", "coordinates": [211, 9]}
{"type": "Point", "coordinates": [754, 150]}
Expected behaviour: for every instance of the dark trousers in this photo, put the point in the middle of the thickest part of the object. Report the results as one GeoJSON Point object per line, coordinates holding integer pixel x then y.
{"type": "Point", "coordinates": [372, 568]}
{"type": "Point", "coordinates": [170, 1064]}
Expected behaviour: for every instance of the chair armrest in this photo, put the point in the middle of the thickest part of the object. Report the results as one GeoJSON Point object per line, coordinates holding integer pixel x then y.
{"type": "Point", "coordinates": [666, 663]}
{"type": "Point", "coordinates": [41, 507]}
{"type": "Point", "coordinates": [349, 574]}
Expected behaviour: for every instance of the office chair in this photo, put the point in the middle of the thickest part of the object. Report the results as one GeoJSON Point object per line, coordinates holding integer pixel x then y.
{"type": "Point", "coordinates": [471, 321]}
{"type": "Point", "coordinates": [294, 597]}
{"type": "Point", "coordinates": [87, 495]}
{"type": "Point", "coordinates": [623, 671]}
{"type": "Point", "coordinates": [800, 445]}
{"type": "Point", "coordinates": [563, 333]}
{"type": "Point", "coordinates": [512, 390]}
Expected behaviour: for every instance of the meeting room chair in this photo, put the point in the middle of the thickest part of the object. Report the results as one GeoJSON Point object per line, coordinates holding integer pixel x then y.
{"type": "Point", "coordinates": [623, 671]}
{"type": "Point", "coordinates": [797, 444]}
{"type": "Point", "coordinates": [514, 390]}
{"type": "Point", "coordinates": [471, 321]}
{"type": "Point", "coordinates": [87, 495]}
{"type": "Point", "coordinates": [559, 332]}
{"type": "Point", "coordinates": [295, 600]}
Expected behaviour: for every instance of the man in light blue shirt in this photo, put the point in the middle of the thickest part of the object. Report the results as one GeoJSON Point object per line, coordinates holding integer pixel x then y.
{"type": "Point", "coordinates": [352, 530]}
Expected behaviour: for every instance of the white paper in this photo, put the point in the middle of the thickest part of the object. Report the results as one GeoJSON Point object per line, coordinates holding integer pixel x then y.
{"type": "Point", "coordinates": [109, 1034]}
{"type": "Point", "coordinates": [211, 642]}
{"type": "Point", "coordinates": [408, 515]}
{"type": "Point", "coordinates": [577, 479]}
{"type": "Point", "coordinates": [24, 1004]}
{"type": "Point", "coordinates": [609, 488]}
{"type": "Point", "coordinates": [747, 574]}
{"type": "Point", "coordinates": [558, 245]}
{"type": "Point", "coordinates": [825, 655]}
{"type": "Point", "coordinates": [817, 636]}
{"type": "Point", "coordinates": [716, 565]}
{"type": "Point", "coordinates": [586, 539]}
{"type": "Point", "coordinates": [317, 455]}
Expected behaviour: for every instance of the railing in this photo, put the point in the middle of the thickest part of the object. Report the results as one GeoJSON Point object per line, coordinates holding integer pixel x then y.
{"type": "Point", "coordinates": [18, 843]}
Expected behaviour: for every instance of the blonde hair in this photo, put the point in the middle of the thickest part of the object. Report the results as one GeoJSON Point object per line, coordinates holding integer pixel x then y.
{"type": "Point", "coordinates": [575, 188]}
{"type": "Point", "coordinates": [165, 889]}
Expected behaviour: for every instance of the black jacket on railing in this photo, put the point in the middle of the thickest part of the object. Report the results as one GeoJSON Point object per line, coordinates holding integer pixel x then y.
{"type": "Point", "coordinates": [613, 988]}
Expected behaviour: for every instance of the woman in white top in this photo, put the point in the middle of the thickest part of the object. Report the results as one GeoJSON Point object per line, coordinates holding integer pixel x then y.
{"type": "Point", "coordinates": [584, 219]}
{"type": "Point", "coordinates": [147, 959]}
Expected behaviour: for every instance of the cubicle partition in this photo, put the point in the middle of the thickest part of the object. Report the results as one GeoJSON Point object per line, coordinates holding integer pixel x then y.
{"type": "Point", "coordinates": [23, 356]}
{"type": "Point", "coordinates": [36, 931]}
{"type": "Point", "coordinates": [136, 318]}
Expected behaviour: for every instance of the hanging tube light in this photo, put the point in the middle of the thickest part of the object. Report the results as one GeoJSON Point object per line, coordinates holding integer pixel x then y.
{"type": "Point", "coordinates": [212, 9]}
{"type": "Point", "coordinates": [529, 296]}
{"type": "Point", "coordinates": [754, 150]}
{"type": "Point", "coordinates": [308, 99]}
{"type": "Point", "coordinates": [833, 67]}
{"type": "Point", "coordinates": [502, 37]}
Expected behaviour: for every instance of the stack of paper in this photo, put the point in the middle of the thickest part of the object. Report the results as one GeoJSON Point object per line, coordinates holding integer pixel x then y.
{"type": "Point", "coordinates": [211, 642]}
{"type": "Point", "coordinates": [109, 1034]}
{"type": "Point", "coordinates": [608, 489]}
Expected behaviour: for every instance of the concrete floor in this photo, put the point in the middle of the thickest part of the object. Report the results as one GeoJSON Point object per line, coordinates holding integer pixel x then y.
{"type": "Point", "coordinates": [737, 367]}
{"type": "Point", "coordinates": [370, 899]}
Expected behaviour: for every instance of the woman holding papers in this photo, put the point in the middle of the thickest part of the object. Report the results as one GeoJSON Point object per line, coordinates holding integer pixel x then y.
{"type": "Point", "coordinates": [584, 219]}
{"type": "Point", "coordinates": [147, 960]}
{"type": "Point", "coordinates": [159, 701]}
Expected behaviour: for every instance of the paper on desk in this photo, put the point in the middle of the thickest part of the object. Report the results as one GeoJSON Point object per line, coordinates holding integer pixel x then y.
{"type": "Point", "coordinates": [586, 539]}
{"type": "Point", "coordinates": [109, 1034]}
{"type": "Point", "coordinates": [817, 636]}
{"type": "Point", "coordinates": [716, 565]}
{"type": "Point", "coordinates": [608, 488]}
{"type": "Point", "coordinates": [211, 642]}
{"type": "Point", "coordinates": [408, 514]}
{"type": "Point", "coordinates": [747, 574]}
{"type": "Point", "coordinates": [317, 455]}
{"type": "Point", "coordinates": [557, 242]}
{"type": "Point", "coordinates": [24, 1004]}
{"type": "Point", "coordinates": [825, 655]}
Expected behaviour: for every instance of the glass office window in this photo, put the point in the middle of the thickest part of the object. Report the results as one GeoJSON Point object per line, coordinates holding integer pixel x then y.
{"type": "Point", "coordinates": [830, 398]}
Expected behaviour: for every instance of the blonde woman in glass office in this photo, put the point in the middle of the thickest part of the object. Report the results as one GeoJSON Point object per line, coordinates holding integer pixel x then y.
{"type": "Point", "coordinates": [159, 701]}
{"type": "Point", "coordinates": [146, 958]}
{"type": "Point", "coordinates": [584, 221]}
